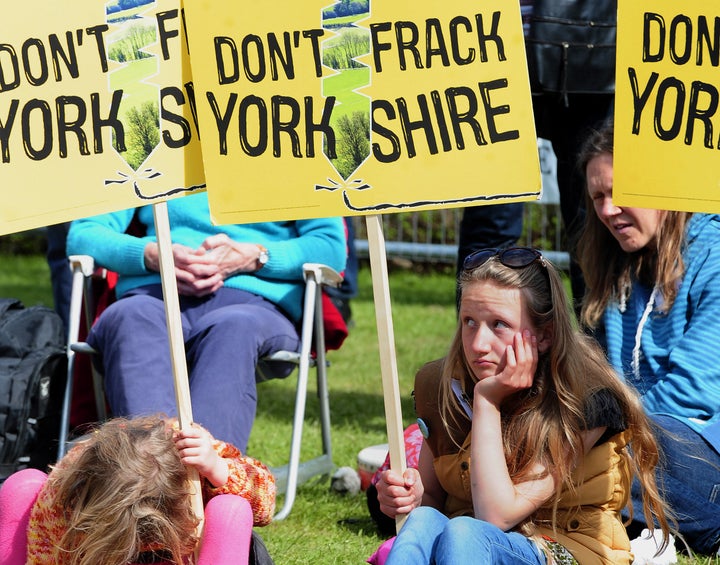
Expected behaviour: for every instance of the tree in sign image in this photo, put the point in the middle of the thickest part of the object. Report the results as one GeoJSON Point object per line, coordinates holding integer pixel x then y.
{"type": "Point", "coordinates": [351, 115]}
{"type": "Point", "coordinates": [140, 100]}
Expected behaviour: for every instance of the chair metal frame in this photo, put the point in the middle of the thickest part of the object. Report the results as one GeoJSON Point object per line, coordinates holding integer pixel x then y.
{"type": "Point", "coordinates": [312, 339]}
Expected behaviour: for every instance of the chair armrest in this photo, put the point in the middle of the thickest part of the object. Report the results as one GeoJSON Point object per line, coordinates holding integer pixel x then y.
{"type": "Point", "coordinates": [284, 356]}
{"type": "Point", "coordinates": [324, 275]}
{"type": "Point", "coordinates": [84, 263]}
{"type": "Point", "coordinates": [82, 347]}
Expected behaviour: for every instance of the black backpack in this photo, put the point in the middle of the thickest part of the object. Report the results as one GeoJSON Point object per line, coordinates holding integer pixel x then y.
{"type": "Point", "coordinates": [33, 373]}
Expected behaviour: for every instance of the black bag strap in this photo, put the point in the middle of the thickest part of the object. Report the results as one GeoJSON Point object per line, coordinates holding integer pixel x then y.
{"type": "Point", "coordinates": [9, 304]}
{"type": "Point", "coordinates": [259, 554]}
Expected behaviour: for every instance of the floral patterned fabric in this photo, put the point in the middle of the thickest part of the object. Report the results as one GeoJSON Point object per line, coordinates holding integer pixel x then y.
{"type": "Point", "coordinates": [560, 554]}
{"type": "Point", "coordinates": [413, 442]}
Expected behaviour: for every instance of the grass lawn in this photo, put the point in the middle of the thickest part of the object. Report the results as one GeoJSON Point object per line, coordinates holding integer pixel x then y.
{"type": "Point", "coordinates": [26, 278]}
{"type": "Point", "coordinates": [323, 527]}
{"type": "Point", "coordinates": [332, 528]}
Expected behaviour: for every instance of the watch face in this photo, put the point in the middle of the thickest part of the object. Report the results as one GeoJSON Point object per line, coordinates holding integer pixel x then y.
{"type": "Point", "coordinates": [263, 258]}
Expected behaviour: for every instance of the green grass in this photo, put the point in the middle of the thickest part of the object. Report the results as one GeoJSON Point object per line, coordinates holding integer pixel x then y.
{"type": "Point", "coordinates": [326, 527]}
{"type": "Point", "coordinates": [26, 278]}
{"type": "Point", "coordinates": [323, 527]}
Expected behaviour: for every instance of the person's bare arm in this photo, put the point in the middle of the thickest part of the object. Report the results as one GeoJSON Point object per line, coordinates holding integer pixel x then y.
{"type": "Point", "coordinates": [434, 494]}
{"type": "Point", "coordinates": [496, 499]}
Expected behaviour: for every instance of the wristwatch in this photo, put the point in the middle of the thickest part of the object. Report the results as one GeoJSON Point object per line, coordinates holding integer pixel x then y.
{"type": "Point", "coordinates": [263, 257]}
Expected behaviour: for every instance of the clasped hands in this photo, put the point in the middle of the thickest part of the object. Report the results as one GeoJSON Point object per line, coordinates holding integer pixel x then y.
{"type": "Point", "coordinates": [202, 271]}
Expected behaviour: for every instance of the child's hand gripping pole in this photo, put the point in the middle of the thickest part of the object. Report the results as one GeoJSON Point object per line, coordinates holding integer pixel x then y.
{"type": "Point", "coordinates": [386, 341]}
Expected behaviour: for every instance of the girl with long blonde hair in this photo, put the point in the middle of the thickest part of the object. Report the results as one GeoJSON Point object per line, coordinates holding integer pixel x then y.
{"type": "Point", "coordinates": [530, 438]}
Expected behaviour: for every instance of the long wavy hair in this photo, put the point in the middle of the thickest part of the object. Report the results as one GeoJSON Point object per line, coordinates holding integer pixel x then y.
{"type": "Point", "coordinates": [607, 269]}
{"type": "Point", "coordinates": [126, 496]}
{"type": "Point", "coordinates": [544, 424]}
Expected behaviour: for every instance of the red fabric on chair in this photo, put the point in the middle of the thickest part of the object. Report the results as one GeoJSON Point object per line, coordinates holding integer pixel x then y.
{"type": "Point", "coordinates": [336, 329]}
{"type": "Point", "coordinates": [82, 408]}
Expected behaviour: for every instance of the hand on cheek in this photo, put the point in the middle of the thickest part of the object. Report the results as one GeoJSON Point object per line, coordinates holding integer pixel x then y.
{"type": "Point", "coordinates": [517, 373]}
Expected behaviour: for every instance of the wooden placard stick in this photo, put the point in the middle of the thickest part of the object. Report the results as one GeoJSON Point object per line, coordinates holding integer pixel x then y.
{"type": "Point", "coordinates": [177, 343]}
{"type": "Point", "coordinates": [386, 340]}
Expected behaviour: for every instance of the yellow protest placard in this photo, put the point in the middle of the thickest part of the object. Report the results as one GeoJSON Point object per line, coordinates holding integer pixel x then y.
{"type": "Point", "coordinates": [667, 117]}
{"type": "Point", "coordinates": [412, 105]}
{"type": "Point", "coordinates": [95, 110]}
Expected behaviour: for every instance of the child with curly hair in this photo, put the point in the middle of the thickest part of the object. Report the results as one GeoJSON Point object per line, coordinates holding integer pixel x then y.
{"type": "Point", "coordinates": [123, 496]}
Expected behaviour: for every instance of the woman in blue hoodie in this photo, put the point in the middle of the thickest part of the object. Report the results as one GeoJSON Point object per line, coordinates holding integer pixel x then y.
{"type": "Point", "coordinates": [653, 302]}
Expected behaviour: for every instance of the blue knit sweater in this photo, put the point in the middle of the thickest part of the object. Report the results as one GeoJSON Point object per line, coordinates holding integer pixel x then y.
{"type": "Point", "coordinates": [289, 244]}
{"type": "Point", "coordinates": [675, 369]}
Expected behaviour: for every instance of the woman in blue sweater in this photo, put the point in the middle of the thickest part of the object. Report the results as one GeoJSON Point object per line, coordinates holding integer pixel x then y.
{"type": "Point", "coordinates": [240, 289]}
{"type": "Point", "coordinates": [653, 301]}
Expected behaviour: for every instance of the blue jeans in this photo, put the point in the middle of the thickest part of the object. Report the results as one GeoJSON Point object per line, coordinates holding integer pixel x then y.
{"type": "Point", "coordinates": [690, 481]}
{"type": "Point", "coordinates": [429, 537]}
{"type": "Point", "coordinates": [225, 334]}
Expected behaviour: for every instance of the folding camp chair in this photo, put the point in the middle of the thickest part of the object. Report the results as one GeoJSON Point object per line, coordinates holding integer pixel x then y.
{"type": "Point", "coordinates": [321, 329]}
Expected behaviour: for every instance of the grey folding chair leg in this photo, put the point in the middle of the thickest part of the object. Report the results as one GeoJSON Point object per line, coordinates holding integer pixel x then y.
{"type": "Point", "coordinates": [82, 267]}
{"type": "Point", "coordinates": [322, 384]}
{"type": "Point", "coordinates": [312, 332]}
{"type": "Point", "coordinates": [329, 277]}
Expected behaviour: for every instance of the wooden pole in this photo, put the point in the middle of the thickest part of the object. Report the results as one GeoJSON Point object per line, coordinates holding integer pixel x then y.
{"type": "Point", "coordinates": [177, 343]}
{"type": "Point", "coordinates": [386, 340]}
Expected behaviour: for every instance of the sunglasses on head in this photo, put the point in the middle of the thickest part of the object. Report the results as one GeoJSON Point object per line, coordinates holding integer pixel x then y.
{"type": "Point", "coordinates": [513, 257]}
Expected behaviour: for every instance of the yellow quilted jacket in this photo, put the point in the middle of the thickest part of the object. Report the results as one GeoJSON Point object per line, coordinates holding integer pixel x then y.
{"type": "Point", "coordinates": [588, 522]}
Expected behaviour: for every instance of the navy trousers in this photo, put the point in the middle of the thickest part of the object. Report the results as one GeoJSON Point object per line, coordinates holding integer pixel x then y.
{"type": "Point", "coordinates": [225, 334]}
